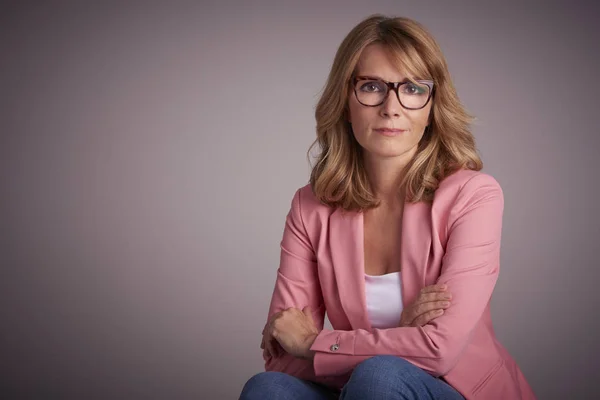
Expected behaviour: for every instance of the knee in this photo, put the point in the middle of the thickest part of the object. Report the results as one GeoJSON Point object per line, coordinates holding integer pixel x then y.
{"type": "Point", "coordinates": [263, 385]}
{"type": "Point", "coordinates": [382, 366]}
{"type": "Point", "coordinates": [379, 375]}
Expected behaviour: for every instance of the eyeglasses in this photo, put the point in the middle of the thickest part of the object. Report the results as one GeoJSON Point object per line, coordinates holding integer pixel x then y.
{"type": "Point", "coordinates": [372, 92]}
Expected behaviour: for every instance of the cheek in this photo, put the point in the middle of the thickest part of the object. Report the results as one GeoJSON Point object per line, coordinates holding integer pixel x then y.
{"type": "Point", "coordinates": [359, 115]}
{"type": "Point", "coordinates": [419, 120]}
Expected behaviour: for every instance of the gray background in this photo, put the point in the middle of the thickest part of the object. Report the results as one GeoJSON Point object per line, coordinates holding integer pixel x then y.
{"type": "Point", "coordinates": [149, 153]}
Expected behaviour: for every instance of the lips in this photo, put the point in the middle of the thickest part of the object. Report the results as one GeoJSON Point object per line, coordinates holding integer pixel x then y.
{"type": "Point", "coordinates": [389, 131]}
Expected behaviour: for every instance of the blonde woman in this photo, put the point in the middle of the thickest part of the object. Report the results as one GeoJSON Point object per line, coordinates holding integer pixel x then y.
{"type": "Point", "coordinates": [396, 237]}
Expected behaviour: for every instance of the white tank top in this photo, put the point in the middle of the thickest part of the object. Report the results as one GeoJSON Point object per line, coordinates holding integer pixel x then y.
{"type": "Point", "coordinates": [384, 300]}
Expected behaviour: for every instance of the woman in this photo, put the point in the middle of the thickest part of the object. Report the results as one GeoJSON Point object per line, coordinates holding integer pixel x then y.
{"type": "Point", "coordinates": [396, 237]}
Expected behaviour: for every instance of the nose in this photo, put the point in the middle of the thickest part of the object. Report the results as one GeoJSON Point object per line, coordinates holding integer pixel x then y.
{"type": "Point", "coordinates": [391, 107]}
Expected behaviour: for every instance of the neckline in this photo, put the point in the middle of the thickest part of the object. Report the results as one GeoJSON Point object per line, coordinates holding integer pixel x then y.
{"type": "Point", "coordinates": [384, 275]}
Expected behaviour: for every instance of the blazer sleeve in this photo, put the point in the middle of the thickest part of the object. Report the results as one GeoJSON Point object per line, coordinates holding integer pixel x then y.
{"type": "Point", "coordinates": [470, 270]}
{"type": "Point", "coordinates": [297, 285]}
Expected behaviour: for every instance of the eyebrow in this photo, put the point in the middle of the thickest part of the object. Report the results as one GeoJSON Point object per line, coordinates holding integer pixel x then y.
{"type": "Point", "coordinates": [375, 77]}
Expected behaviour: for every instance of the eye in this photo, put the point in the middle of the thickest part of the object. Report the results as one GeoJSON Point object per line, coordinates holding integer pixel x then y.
{"type": "Point", "coordinates": [372, 86]}
{"type": "Point", "coordinates": [413, 89]}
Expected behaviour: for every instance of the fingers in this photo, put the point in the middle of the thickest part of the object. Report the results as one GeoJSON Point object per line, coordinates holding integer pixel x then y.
{"type": "Point", "coordinates": [263, 346]}
{"type": "Point", "coordinates": [266, 343]}
{"type": "Point", "coordinates": [433, 296]}
{"type": "Point", "coordinates": [270, 345]}
{"type": "Point", "coordinates": [438, 287]}
{"type": "Point", "coordinates": [308, 312]}
{"type": "Point", "coordinates": [424, 313]}
{"type": "Point", "coordinates": [271, 348]}
{"type": "Point", "coordinates": [431, 299]}
{"type": "Point", "coordinates": [427, 317]}
{"type": "Point", "coordinates": [423, 308]}
{"type": "Point", "coordinates": [267, 340]}
{"type": "Point", "coordinates": [263, 343]}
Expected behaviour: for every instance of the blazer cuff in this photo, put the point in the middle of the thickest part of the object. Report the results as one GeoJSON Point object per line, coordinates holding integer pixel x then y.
{"type": "Point", "coordinates": [330, 341]}
{"type": "Point", "coordinates": [334, 353]}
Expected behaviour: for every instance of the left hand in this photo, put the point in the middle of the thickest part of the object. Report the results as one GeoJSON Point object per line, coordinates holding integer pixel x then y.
{"type": "Point", "coordinates": [295, 331]}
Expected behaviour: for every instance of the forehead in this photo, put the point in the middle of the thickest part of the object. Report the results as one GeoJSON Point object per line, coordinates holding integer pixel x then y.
{"type": "Point", "coordinates": [386, 63]}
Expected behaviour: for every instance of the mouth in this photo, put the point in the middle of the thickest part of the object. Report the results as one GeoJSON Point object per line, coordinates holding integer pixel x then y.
{"type": "Point", "coordinates": [389, 131]}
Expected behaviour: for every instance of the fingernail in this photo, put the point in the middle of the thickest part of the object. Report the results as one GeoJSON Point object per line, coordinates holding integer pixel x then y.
{"type": "Point", "coordinates": [445, 303]}
{"type": "Point", "coordinates": [440, 312]}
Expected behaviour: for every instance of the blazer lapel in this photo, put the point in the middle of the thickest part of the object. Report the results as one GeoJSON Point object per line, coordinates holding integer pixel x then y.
{"type": "Point", "coordinates": [347, 256]}
{"type": "Point", "coordinates": [416, 245]}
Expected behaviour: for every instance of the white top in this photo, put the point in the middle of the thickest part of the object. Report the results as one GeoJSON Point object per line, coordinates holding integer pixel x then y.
{"type": "Point", "coordinates": [384, 300]}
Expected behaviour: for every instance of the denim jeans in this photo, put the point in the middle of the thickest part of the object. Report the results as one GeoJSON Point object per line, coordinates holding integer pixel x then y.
{"type": "Point", "coordinates": [380, 377]}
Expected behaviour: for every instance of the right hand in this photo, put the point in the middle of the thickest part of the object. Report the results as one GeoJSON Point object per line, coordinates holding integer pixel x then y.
{"type": "Point", "coordinates": [270, 346]}
{"type": "Point", "coordinates": [430, 304]}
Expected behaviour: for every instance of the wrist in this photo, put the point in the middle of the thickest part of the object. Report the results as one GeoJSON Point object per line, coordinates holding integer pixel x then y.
{"type": "Point", "coordinates": [310, 354]}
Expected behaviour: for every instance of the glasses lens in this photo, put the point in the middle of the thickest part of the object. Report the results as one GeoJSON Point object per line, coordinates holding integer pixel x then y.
{"type": "Point", "coordinates": [374, 92]}
{"type": "Point", "coordinates": [413, 95]}
{"type": "Point", "coordinates": [370, 92]}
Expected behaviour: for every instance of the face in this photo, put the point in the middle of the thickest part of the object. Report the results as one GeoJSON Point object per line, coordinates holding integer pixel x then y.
{"type": "Point", "coordinates": [367, 121]}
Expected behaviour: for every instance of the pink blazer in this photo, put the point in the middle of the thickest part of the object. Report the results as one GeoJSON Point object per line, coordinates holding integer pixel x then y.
{"type": "Point", "coordinates": [454, 240]}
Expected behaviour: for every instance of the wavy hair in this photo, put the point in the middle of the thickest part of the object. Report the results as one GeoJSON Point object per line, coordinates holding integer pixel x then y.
{"type": "Point", "coordinates": [338, 177]}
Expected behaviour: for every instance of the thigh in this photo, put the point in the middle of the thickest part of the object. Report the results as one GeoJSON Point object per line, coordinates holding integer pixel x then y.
{"type": "Point", "coordinates": [272, 385]}
{"type": "Point", "coordinates": [392, 377]}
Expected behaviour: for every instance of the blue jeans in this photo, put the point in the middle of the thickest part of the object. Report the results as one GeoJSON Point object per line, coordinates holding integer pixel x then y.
{"type": "Point", "coordinates": [380, 377]}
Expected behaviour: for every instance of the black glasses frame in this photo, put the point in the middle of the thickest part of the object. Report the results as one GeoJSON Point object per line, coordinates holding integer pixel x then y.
{"type": "Point", "coordinates": [393, 86]}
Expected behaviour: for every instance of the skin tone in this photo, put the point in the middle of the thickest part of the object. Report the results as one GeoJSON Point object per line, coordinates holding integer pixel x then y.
{"type": "Point", "coordinates": [385, 158]}
{"type": "Point", "coordinates": [294, 331]}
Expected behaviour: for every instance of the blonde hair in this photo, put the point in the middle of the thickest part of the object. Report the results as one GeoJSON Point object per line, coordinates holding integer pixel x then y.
{"type": "Point", "coordinates": [338, 177]}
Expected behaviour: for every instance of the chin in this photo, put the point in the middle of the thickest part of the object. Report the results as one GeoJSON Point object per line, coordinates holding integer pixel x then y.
{"type": "Point", "coordinates": [390, 150]}
{"type": "Point", "coordinates": [387, 153]}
